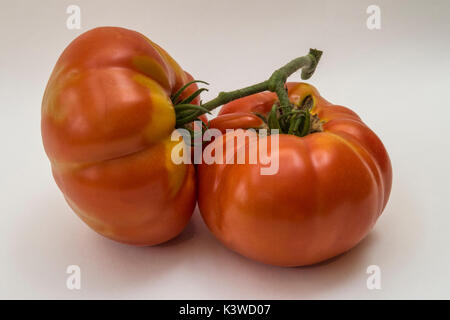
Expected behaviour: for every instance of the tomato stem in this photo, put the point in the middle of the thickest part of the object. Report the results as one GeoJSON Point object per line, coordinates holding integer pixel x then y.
{"type": "Point", "coordinates": [276, 83]}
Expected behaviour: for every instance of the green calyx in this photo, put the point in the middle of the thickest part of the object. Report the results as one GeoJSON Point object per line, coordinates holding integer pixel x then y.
{"type": "Point", "coordinates": [176, 96]}
{"type": "Point", "coordinates": [295, 120]}
{"type": "Point", "coordinates": [184, 108]}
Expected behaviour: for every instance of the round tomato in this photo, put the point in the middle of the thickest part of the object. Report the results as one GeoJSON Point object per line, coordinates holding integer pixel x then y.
{"type": "Point", "coordinates": [330, 188]}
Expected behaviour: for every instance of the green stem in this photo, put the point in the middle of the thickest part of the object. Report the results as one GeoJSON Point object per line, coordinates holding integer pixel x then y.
{"type": "Point", "coordinates": [276, 83]}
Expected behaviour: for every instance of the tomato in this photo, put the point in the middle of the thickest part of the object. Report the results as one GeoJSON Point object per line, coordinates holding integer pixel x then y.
{"type": "Point", "coordinates": [106, 123]}
{"type": "Point", "coordinates": [329, 191]}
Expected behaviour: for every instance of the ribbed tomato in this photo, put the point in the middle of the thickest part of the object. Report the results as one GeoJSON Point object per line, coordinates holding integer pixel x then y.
{"type": "Point", "coordinates": [107, 118]}
{"type": "Point", "coordinates": [330, 189]}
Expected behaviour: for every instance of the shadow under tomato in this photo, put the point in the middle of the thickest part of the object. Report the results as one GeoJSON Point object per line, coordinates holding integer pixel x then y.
{"type": "Point", "coordinates": [364, 243]}
{"type": "Point", "coordinates": [255, 280]}
{"type": "Point", "coordinates": [391, 245]}
{"type": "Point", "coordinates": [195, 264]}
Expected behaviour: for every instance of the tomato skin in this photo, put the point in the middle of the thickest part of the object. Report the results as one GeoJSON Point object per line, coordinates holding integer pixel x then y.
{"type": "Point", "coordinates": [330, 189]}
{"type": "Point", "coordinates": [106, 124]}
{"type": "Point", "coordinates": [237, 120]}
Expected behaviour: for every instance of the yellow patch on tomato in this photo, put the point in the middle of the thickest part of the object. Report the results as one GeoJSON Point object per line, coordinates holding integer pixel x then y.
{"type": "Point", "coordinates": [162, 118]}
{"type": "Point", "coordinates": [153, 69]}
{"type": "Point", "coordinates": [176, 173]}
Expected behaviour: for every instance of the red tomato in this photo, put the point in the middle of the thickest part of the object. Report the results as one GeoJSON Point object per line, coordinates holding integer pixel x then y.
{"type": "Point", "coordinates": [329, 191]}
{"type": "Point", "coordinates": [107, 118]}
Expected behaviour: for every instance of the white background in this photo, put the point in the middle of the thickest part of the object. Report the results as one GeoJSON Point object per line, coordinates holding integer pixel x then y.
{"type": "Point", "coordinates": [395, 78]}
